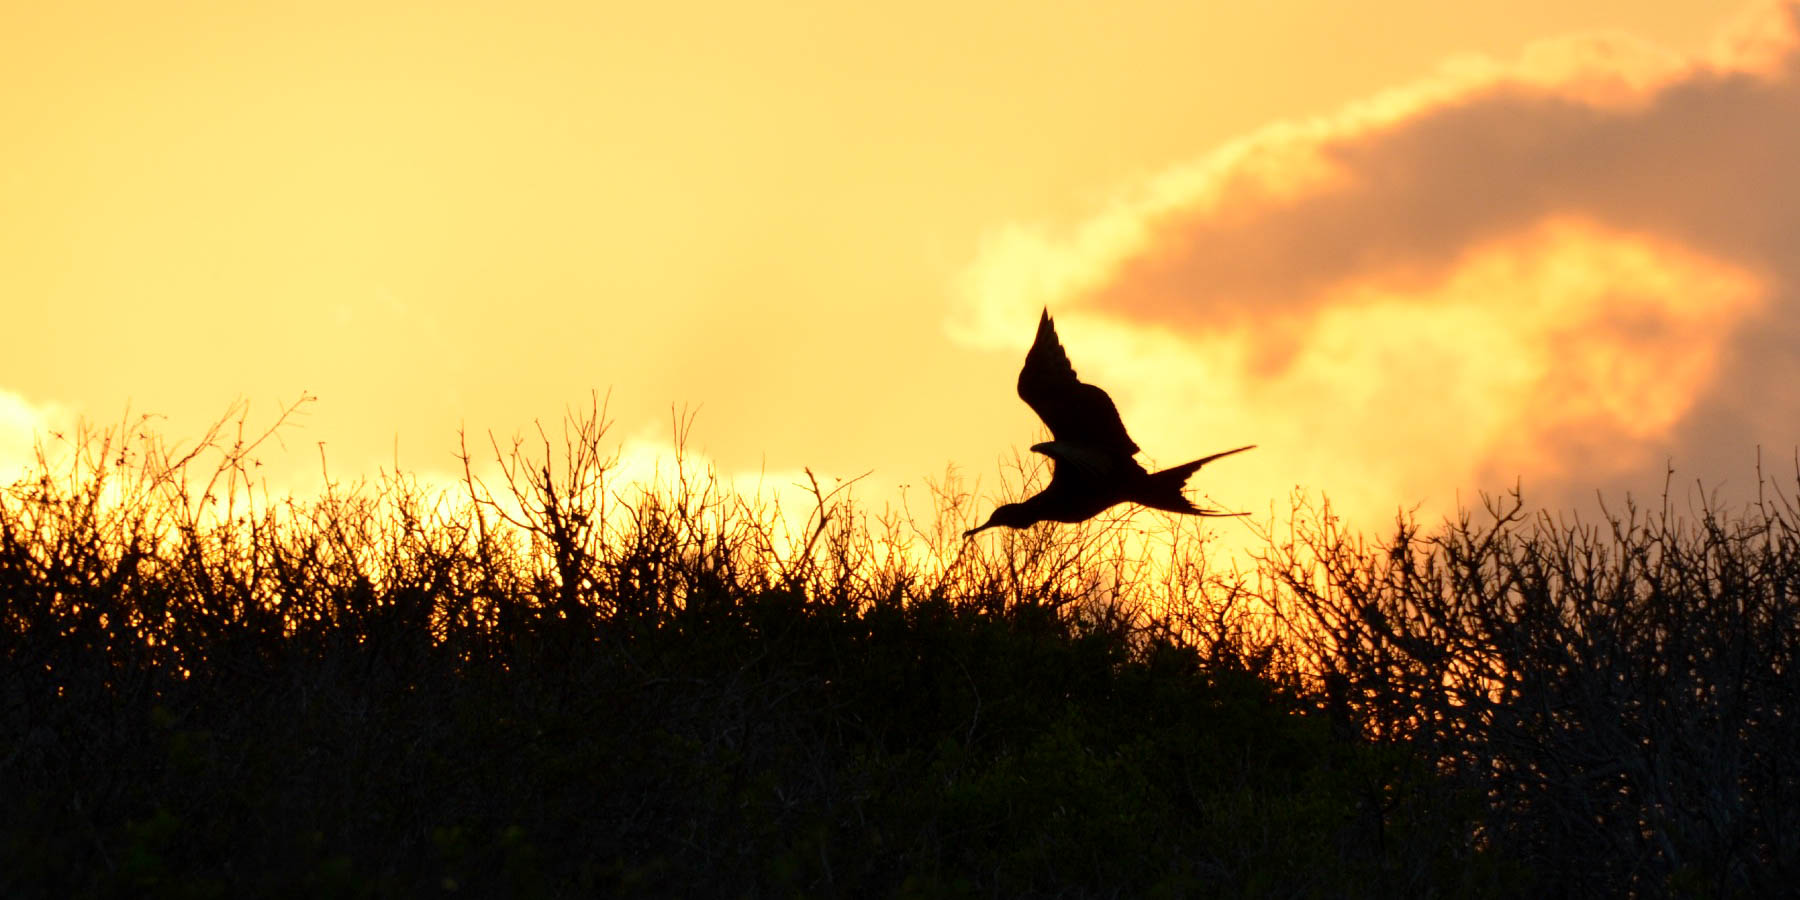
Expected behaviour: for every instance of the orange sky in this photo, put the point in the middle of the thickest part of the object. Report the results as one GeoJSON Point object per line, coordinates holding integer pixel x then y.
{"type": "Point", "coordinates": [1409, 248]}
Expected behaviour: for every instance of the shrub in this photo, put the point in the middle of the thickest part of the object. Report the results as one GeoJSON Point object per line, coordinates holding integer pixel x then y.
{"type": "Point", "coordinates": [565, 686]}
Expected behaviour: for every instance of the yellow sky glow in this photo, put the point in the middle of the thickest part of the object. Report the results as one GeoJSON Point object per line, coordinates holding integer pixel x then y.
{"type": "Point", "coordinates": [830, 226]}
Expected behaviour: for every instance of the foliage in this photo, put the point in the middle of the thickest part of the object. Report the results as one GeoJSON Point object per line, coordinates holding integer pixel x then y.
{"type": "Point", "coordinates": [569, 687]}
{"type": "Point", "coordinates": [1626, 695]}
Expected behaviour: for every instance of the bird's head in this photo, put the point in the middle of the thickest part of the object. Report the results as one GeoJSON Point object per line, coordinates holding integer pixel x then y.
{"type": "Point", "coordinates": [1011, 515]}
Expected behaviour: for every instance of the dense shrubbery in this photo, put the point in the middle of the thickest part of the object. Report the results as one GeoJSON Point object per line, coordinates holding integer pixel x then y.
{"type": "Point", "coordinates": [566, 690]}
{"type": "Point", "coordinates": [1626, 696]}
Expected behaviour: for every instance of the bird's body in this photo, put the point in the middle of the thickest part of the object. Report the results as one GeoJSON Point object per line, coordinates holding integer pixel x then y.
{"type": "Point", "coordinates": [1091, 455]}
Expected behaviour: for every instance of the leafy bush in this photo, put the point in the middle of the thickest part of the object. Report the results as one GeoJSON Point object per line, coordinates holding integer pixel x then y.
{"type": "Point", "coordinates": [1624, 696]}
{"type": "Point", "coordinates": [569, 687]}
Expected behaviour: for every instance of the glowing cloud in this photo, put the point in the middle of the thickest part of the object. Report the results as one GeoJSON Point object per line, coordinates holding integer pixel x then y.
{"type": "Point", "coordinates": [22, 425]}
{"type": "Point", "coordinates": [1574, 270]}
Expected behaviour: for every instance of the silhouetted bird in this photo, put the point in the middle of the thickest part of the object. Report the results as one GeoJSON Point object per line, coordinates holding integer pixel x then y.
{"type": "Point", "coordinates": [1091, 465]}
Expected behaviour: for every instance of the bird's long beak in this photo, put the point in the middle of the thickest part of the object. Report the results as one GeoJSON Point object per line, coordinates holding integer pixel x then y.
{"type": "Point", "coordinates": [971, 532]}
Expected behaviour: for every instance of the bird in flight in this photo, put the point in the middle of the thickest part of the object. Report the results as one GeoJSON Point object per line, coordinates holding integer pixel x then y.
{"type": "Point", "coordinates": [1091, 464]}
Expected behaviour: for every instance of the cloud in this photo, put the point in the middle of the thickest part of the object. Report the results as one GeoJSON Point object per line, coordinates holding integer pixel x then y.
{"type": "Point", "coordinates": [665, 471]}
{"type": "Point", "coordinates": [22, 425]}
{"type": "Point", "coordinates": [1573, 269]}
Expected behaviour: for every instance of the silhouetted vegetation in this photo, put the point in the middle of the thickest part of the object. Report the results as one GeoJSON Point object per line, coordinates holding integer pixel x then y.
{"type": "Point", "coordinates": [1623, 695]}
{"type": "Point", "coordinates": [568, 687]}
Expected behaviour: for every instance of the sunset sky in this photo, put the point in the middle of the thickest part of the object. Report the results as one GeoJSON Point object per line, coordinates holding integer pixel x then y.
{"type": "Point", "coordinates": [1410, 249]}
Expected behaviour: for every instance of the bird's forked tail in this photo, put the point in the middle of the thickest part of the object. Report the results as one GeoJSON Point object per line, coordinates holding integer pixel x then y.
{"type": "Point", "coordinates": [1164, 490]}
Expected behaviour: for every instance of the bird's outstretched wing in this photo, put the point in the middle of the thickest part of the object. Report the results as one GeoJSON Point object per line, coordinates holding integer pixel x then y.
{"type": "Point", "coordinates": [1076, 412]}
